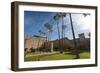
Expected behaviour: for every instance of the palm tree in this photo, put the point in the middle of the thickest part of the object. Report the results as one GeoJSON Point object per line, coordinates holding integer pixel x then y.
{"type": "Point", "coordinates": [40, 32]}
{"type": "Point", "coordinates": [64, 27]}
{"type": "Point", "coordinates": [57, 17]}
{"type": "Point", "coordinates": [75, 45]}
{"type": "Point", "coordinates": [44, 35]}
{"type": "Point", "coordinates": [62, 15]}
{"type": "Point", "coordinates": [85, 14]}
{"type": "Point", "coordinates": [89, 34]}
{"type": "Point", "coordinates": [49, 28]}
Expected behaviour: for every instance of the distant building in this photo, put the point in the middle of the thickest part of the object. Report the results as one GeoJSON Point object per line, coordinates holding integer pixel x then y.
{"type": "Point", "coordinates": [66, 43]}
{"type": "Point", "coordinates": [84, 43]}
{"type": "Point", "coordinates": [81, 36]}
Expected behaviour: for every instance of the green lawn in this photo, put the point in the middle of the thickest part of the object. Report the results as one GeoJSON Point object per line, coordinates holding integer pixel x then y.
{"type": "Point", "coordinates": [54, 56]}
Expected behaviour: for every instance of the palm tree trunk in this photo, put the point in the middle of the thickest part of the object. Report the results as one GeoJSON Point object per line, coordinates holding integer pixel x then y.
{"type": "Point", "coordinates": [58, 34]}
{"type": "Point", "coordinates": [62, 35]}
{"type": "Point", "coordinates": [38, 45]}
{"type": "Point", "coordinates": [75, 45]}
{"type": "Point", "coordinates": [51, 45]}
{"type": "Point", "coordinates": [47, 39]}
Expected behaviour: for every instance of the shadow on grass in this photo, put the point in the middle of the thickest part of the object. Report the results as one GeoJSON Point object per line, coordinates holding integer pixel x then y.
{"type": "Point", "coordinates": [72, 52]}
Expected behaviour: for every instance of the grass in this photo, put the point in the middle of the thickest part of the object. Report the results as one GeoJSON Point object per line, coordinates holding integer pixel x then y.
{"type": "Point", "coordinates": [85, 55]}
{"type": "Point", "coordinates": [54, 56]}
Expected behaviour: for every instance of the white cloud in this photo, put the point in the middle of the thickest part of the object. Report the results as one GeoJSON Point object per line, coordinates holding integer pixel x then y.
{"type": "Point", "coordinates": [84, 23]}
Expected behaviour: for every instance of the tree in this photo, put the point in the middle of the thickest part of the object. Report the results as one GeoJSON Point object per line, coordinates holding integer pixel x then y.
{"type": "Point", "coordinates": [89, 34]}
{"type": "Point", "coordinates": [85, 14]}
{"type": "Point", "coordinates": [50, 30]}
{"type": "Point", "coordinates": [62, 15]}
{"type": "Point", "coordinates": [57, 17]}
{"type": "Point", "coordinates": [40, 32]}
{"type": "Point", "coordinates": [64, 27]}
{"type": "Point", "coordinates": [75, 45]}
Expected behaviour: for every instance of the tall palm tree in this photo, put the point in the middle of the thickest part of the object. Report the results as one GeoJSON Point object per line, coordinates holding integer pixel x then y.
{"type": "Point", "coordinates": [50, 30]}
{"type": "Point", "coordinates": [40, 32]}
{"type": "Point", "coordinates": [57, 17]}
{"type": "Point", "coordinates": [46, 41]}
{"type": "Point", "coordinates": [89, 34]}
{"type": "Point", "coordinates": [75, 44]}
{"type": "Point", "coordinates": [85, 14]}
{"type": "Point", "coordinates": [62, 15]}
{"type": "Point", "coordinates": [64, 27]}
{"type": "Point", "coordinates": [63, 39]}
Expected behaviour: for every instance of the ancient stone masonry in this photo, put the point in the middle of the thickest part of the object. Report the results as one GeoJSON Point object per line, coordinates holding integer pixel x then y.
{"type": "Point", "coordinates": [33, 42]}
{"type": "Point", "coordinates": [36, 42]}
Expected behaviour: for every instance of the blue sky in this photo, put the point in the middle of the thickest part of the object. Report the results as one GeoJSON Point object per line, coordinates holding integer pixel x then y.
{"type": "Point", "coordinates": [34, 21]}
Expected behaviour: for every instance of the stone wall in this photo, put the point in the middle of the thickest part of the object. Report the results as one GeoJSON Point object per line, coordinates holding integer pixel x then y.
{"type": "Point", "coordinates": [33, 42]}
